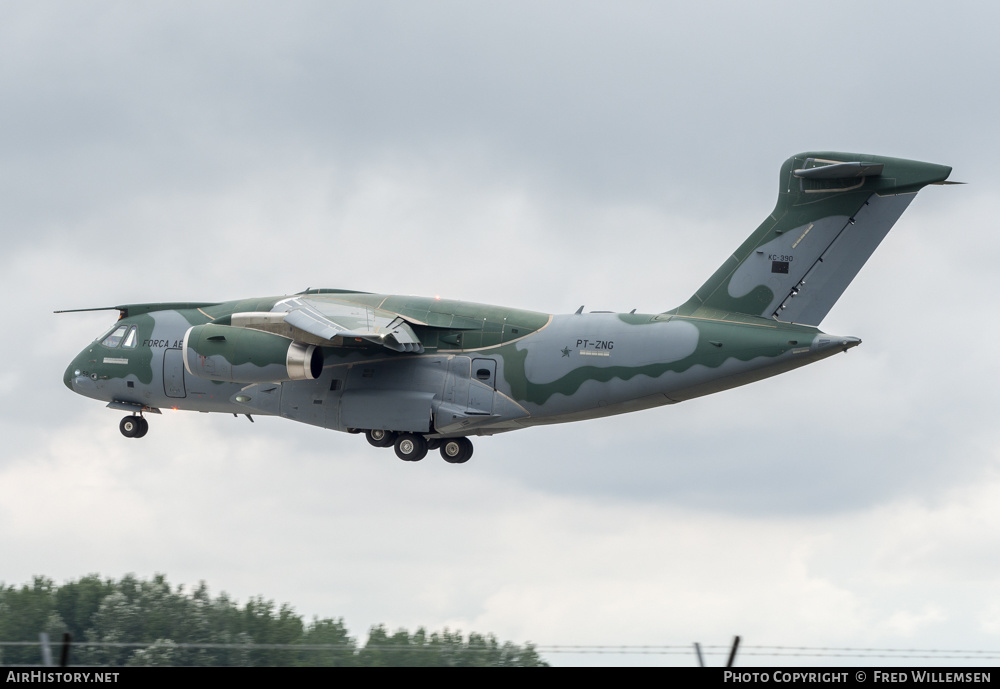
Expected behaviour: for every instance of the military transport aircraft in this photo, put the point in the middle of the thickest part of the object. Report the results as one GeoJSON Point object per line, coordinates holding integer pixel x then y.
{"type": "Point", "coordinates": [422, 373]}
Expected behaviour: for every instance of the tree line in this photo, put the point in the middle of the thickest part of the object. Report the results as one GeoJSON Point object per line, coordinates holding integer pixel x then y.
{"type": "Point", "coordinates": [99, 613]}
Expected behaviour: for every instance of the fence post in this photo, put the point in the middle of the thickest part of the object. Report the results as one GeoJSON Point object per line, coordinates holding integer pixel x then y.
{"type": "Point", "coordinates": [64, 656]}
{"type": "Point", "coordinates": [43, 641]}
{"type": "Point", "coordinates": [732, 653]}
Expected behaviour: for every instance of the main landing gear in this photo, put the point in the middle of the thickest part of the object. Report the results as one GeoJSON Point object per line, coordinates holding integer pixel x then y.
{"type": "Point", "coordinates": [380, 438]}
{"type": "Point", "coordinates": [456, 450]}
{"type": "Point", "coordinates": [412, 447]}
{"type": "Point", "coordinates": [133, 426]}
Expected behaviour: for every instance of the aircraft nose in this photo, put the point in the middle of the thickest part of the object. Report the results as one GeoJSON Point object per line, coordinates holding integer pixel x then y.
{"type": "Point", "coordinates": [73, 371]}
{"type": "Point", "coordinates": [69, 375]}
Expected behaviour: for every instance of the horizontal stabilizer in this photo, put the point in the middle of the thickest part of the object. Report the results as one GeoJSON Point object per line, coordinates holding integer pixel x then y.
{"type": "Point", "coordinates": [840, 170]}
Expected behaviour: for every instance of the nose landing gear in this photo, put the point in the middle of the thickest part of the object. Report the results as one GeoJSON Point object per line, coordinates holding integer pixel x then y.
{"type": "Point", "coordinates": [133, 426]}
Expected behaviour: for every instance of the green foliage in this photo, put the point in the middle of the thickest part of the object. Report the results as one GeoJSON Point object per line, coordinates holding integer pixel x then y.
{"type": "Point", "coordinates": [135, 622]}
{"type": "Point", "coordinates": [333, 634]}
{"type": "Point", "coordinates": [77, 601]}
{"type": "Point", "coordinates": [443, 649]}
{"type": "Point", "coordinates": [26, 612]}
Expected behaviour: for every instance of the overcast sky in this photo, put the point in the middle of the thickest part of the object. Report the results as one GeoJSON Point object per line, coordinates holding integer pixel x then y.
{"type": "Point", "coordinates": [541, 155]}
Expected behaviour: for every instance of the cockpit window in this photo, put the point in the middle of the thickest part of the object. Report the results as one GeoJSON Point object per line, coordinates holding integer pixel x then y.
{"type": "Point", "coordinates": [106, 334]}
{"type": "Point", "coordinates": [115, 338]}
{"type": "Point", "coordinates": [129, 342]}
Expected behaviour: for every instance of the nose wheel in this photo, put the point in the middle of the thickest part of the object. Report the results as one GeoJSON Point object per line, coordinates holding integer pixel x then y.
{"type": "Point", "coordinates": [133, 426]}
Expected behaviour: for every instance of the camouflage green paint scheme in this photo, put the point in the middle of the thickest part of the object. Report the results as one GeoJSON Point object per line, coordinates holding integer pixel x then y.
{"type": "Point", "coordinates": [354, 360]}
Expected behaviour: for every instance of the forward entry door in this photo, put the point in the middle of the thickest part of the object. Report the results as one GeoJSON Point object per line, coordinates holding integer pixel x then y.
{"type": "Point", "coordinates": [173, 373]}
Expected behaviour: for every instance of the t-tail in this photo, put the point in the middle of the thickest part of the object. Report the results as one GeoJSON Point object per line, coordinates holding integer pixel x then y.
{"type": "Point", "coordinates": [833, 210]}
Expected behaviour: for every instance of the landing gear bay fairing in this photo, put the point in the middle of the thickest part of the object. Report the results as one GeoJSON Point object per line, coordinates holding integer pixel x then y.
{"type": "Point", "coordinates": [418, 374]}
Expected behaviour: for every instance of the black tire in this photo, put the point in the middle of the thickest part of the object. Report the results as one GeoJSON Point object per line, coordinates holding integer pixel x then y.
{"type": "Point", "coordinates": [456, 450]}
{"type": "Point", "coordinates": [379, 438]}
{"type": "Point", "coordinates": [410, 447]}
{"type": "Point", "coordinates": [130, 426]}
{"type": "Point", "coordinates": [143, 427]}
{"type": "Point", "coordinates": [434, 443]}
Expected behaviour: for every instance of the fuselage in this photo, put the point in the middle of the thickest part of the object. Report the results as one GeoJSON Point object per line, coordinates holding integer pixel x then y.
{"type": "Point", "coordinates": [482, 369]}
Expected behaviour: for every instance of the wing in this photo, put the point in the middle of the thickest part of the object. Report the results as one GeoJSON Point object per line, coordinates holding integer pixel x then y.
{"type": "Point", "coordinates": [331, 322]}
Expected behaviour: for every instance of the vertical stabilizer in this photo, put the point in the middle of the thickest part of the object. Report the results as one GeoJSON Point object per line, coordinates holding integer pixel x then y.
{"type": "Point", "coordinates": [833, 210]}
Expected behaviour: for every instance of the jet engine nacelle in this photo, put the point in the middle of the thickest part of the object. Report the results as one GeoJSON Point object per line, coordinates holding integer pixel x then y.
{"type": "Point", "coordinates": [243, 355]}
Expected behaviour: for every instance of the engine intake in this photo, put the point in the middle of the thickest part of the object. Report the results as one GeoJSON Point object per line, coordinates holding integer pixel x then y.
{"type": "Point", "coordinates": [243, 355]}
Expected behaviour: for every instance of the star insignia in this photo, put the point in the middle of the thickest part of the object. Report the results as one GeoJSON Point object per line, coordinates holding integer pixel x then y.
{"type": "Point", "coordinates": [565, 351]}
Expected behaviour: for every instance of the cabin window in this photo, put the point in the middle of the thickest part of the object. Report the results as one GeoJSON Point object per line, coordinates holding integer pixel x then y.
{"type": "Point", "coordinates": [115, 338]}
{"type": "Point", "coordinates": [483, 374]}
